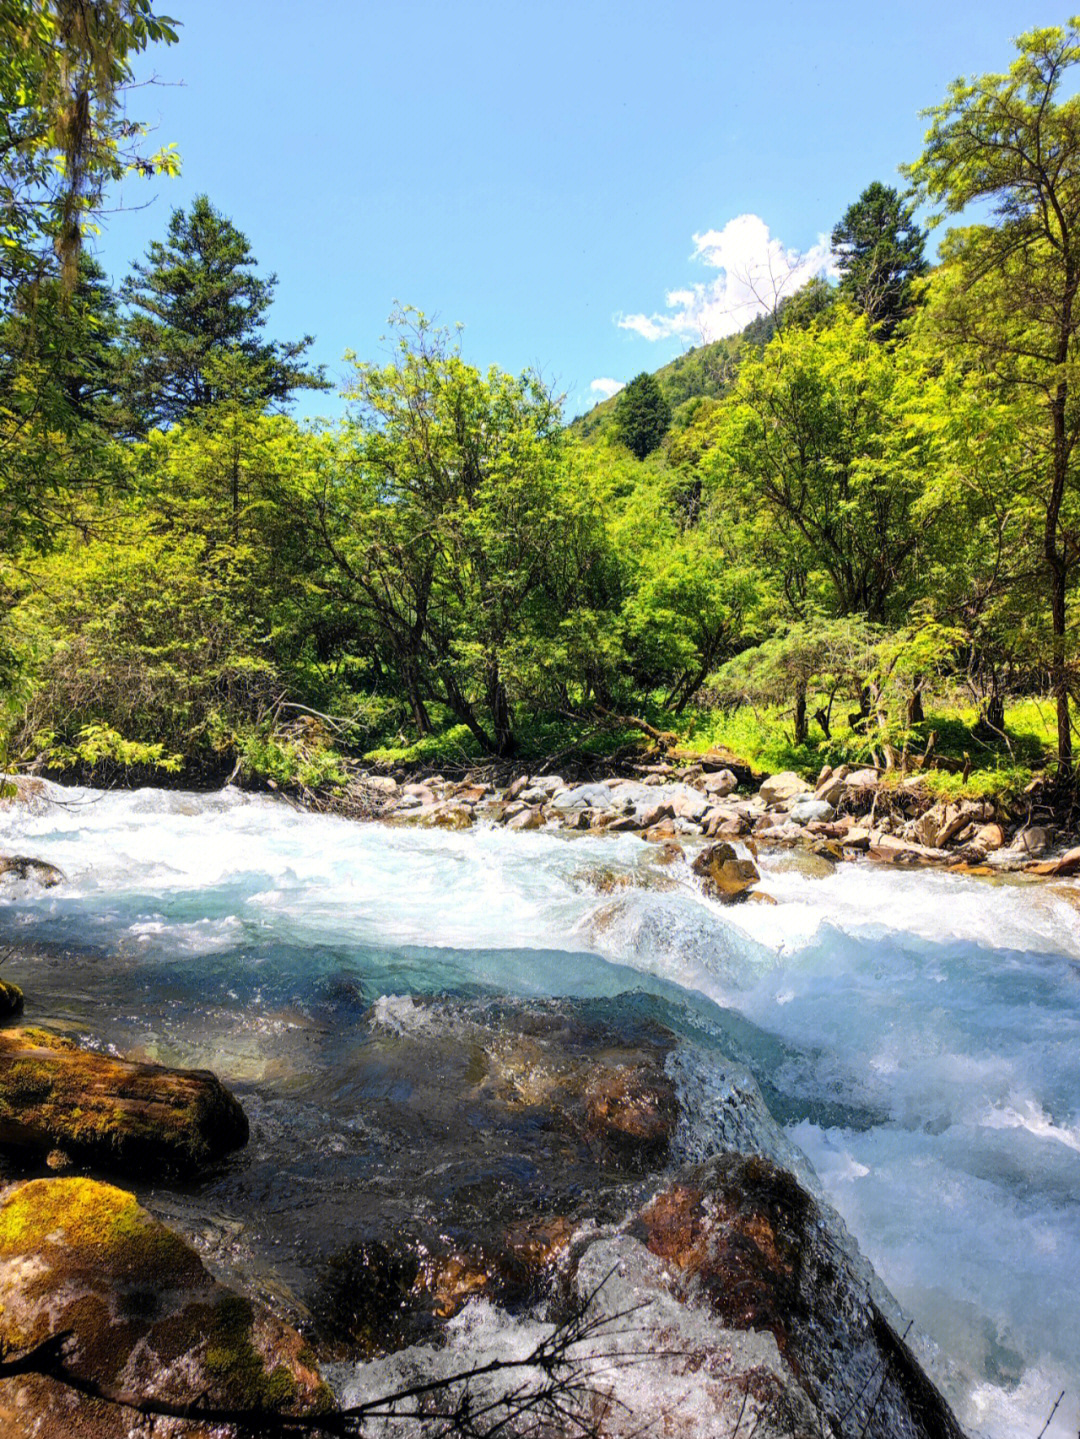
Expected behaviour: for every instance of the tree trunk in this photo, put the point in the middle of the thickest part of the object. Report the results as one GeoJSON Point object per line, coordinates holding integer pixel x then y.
{"type": "Point", "coordinates": [802, 730]}
{"type": "Point", "coordinates": [915, 712]}
{"type": "Point", "coordinates": [501, 721]}
{"type": "Point", "coordinates": [411, 679]}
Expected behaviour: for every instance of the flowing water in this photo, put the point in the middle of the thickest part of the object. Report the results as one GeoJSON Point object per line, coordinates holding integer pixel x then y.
{"type": "Point", "coordinates": [916, 1034]}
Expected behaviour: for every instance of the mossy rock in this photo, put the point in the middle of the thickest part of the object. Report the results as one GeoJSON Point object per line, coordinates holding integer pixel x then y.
{"type": "Point", "coordinates": [144, 1323]}
{"type": "Point", "coordinates": [131, 1118]}
{"type": "Point", "coordinates": [11, 999]}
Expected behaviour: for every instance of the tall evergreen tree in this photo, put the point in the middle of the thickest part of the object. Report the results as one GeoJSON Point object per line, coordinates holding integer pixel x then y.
{"type": "Point", "coordinates": [880, 253]}
{"type": "Point", "coordinates": [642, 415]}
{"type": "Point", "coordinates": [194, 304]}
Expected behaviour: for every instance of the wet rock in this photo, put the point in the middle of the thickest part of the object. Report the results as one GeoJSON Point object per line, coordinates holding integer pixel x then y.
{"type": "Point", "coordinates": [32, 871]}
{"type": "Point", "coordinates": [780, 788]}
{"type": "Point", "coordinates": [1064, 865]}
{"type": "Point", "coordinates": [132, 1118]}
{"type": "Point", "coordinates": [743, 1238]}
{"type": "Point", "coordinates": [526, 819]}
{"type": "Point", "coordinates": [634, 1109]}
{"type": "Point", "coordinates": [891, 849]}
{"type": "Point", "coordinates": [734, 827]}
{"type": "Point", "coordinates": [11, 999]}
{"type": "Point", "coordinates": [726, 877]}
{"type": "Point", "coordinates": [451, 816]}
{"type": "Point", "coordinates": [124, 1306]}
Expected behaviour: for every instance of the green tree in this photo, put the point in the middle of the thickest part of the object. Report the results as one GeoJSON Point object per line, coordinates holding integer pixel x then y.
{"type": "Point", "coordinates": [879, 250]}
{"type": "Point", "coordinates": [197, 300]}
{"type": "Point", "coordinates": [63, 68]}
{"type": "Point", "coordinates": [642, 416]}
{"type": "Point", "coordinates": [1006, 302]}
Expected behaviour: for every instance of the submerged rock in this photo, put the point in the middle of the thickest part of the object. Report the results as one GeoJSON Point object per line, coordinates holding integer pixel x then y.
{"type": "Point", "coordinates": [128, 1117]}
{"type": "Point", "coordinates": [96, 1293]}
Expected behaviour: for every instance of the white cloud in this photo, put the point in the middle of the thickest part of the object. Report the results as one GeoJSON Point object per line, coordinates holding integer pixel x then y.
{"type": "Point", "coordinates": [607, 388]}
{"type": "Point", "coordinates": [756, 270]}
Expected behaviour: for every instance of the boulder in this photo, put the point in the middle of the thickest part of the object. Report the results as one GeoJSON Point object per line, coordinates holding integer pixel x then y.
{"type": "Point", "coordinates": [99, 1293]}
{"type": "Point", "coordinates": [742, 1238]}
{"type": "Point", "coordinates": [780, 788]}
{"type": "Point", "coordinates": [32, 871]}
{"type": "Point", "coordinates": [526, 819]}
{"type": "Point", "coordinates": [515, 788]}
{"type": "Point", "coordinates": [725, 876]}
{"type": "Point", "coordinates": [862, 779]}
{"type": "Point", "coordinates": [989, 837]}
{"type": "Point", "coordinates": [132, 1118]}
{"type": "Point", "coordinates": [586, 796]}
{"type": "Point", "coordinates": [1063, 866]}
{"type": "Point", "coordinates": [806, 811]}
{"type": "Point", "coordinates": [688, 806]}
{"type": "Point", "coordinates": [1032, 841]}
{"type": "Point", "coordinates": [720, 783]}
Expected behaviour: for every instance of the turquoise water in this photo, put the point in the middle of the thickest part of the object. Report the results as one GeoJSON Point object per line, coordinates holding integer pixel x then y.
{"type": "Point", "coordinates": [917, 1035]}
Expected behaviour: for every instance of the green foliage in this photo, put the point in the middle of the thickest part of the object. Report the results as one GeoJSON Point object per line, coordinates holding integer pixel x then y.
{"type": "Point", "coordinates": [642, 416]}
{"type": "Point", "coordinates": [97, 744]}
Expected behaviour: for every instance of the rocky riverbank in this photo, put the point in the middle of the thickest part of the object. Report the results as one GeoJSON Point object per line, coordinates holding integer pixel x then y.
{"type": "Point", "coordinates": [847, 814]}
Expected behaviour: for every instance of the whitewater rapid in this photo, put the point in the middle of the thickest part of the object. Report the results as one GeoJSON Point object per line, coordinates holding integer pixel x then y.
{"type": "Point", "coordinates": [917, 1034]}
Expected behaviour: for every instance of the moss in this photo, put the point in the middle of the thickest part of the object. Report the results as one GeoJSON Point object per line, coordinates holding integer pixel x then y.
{"type": "Point", "coordinates": [235, 1363]}
{"type": "Point", "coordinates": [97, 1226]}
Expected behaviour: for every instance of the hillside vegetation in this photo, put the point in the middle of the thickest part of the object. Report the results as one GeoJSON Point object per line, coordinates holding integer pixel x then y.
{"type": "Point", "coordinates": [851, 531]}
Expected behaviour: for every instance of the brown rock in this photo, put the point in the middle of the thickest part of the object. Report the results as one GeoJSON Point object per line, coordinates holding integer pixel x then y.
{"type": "Point", "coordinates": [526, 819]}
{"type": "Point", "coordinates": [634, 1109]}
{"type": "Point", "coordinates": [724, 875]}
{"type": "Point", "coordinates": [128, 1117]}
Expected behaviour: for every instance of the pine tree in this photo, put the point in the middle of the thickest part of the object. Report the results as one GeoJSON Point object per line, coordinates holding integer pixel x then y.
{"type": "Point", "coordinates": [194, 304]}
{"type": "Point", "coordinates": [642, 415]}
{"type": "Point", "coordinates": [880, 253]}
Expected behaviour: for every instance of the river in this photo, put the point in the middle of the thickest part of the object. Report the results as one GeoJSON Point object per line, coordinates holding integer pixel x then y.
{"type": "Point", "coordinates": [916, 1034]}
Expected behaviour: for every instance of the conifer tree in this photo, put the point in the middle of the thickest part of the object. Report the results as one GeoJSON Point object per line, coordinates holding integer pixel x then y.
{"type": "Point", "coordinates": [196, 302]}
{"type": "Point", "coordinates": [642, 416]}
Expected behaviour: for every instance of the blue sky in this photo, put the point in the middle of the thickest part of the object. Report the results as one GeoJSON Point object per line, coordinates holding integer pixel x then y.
{"type": "Point", "coordinates": [541, 173]}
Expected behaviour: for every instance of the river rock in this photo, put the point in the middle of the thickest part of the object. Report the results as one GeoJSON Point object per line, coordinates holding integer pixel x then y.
{"type": "Point", "coordinates": [132, 1118]}
{"type": "Point", "coordinates": [725, 876]}
{"type": "Point", "coordinates": [585, 796]}
{"type": "Point", "coordinates": [742, 1238]}
{"type": "Point", "coordinates": [806, 811]}
{"type": "Point", "coordinates": [1063, 866]}
{"type": "Point", "coordinates": [31, 871]}
{"type": "Point", "coordinates": [634, 1109]}
{"type": "Point", "coordinates": [526, 819]}
{"type": "Point", "coordinates": [96, 1289]}
{"type": "Point", "coordinates": [862, 779]}
{"type": "Point", "coordinates": [720, 784]}
{"type": "Point", "coordinates": [780, 788]}
{"type": "Point", "coordinates": [1033, 841]}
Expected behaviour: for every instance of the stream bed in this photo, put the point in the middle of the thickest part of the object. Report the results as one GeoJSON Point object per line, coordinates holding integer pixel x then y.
{"type": "Point", "coordinates": [915, 1035]}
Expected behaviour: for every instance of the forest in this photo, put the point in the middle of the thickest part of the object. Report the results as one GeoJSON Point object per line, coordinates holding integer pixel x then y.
{"type": "Point", "coordinates": [851, 532]}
